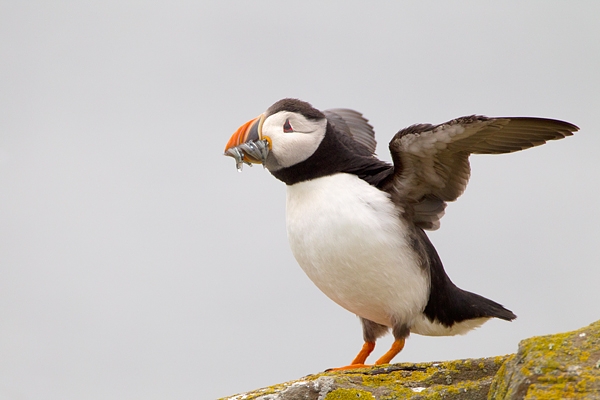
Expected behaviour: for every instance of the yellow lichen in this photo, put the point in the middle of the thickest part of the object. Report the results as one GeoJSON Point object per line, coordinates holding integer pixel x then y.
{"type": "Point", "coordinates": [349, 394]}
{"type": "Point", "coordinates": [556, 367]}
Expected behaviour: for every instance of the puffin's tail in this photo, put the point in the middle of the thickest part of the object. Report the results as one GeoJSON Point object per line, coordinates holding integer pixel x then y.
{"type": "Point", "coordinates": [472, 305]}
{"type": "Point", "coordinates": [448, 303]}
{"type": "Point", "coordinates": [456, 305]}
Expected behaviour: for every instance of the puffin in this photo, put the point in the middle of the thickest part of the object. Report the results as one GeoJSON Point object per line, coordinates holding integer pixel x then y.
{"type": "Point", "coordinates": [356, 224]}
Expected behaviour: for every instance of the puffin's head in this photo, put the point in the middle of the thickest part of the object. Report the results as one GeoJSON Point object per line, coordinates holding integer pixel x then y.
{"type": "Point", "coordinates": [288, 133]}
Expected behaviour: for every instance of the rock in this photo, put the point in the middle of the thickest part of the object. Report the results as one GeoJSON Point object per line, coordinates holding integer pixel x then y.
{"type": "Point", "coordinates": [561, 366]}
{"type": "Point", "coordinates": [463, 379]}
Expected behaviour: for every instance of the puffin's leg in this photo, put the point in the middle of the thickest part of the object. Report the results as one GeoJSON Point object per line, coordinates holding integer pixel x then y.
{"type": "Point", "coordinates": [362, 355]}
{"type": "Point", "coordinates": [371, 331]}
{"type": "Point", "coordinates": [400, 332]}
{"type": "Point", "coordinates": [396, 348]}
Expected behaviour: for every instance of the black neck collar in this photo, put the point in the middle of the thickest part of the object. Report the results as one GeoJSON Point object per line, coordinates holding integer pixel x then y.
{"type": "Point", "coordinates": [337, 153]}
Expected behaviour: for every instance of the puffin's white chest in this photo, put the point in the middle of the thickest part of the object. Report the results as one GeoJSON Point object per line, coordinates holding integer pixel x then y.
{"type": "Point", "coordinates": [348, 238]}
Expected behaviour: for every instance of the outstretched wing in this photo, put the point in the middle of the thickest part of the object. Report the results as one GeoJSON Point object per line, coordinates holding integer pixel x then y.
{"type": "Point", "coordinates": [353, 124]}
{"type": "Point", "coordinates": [431, 163]}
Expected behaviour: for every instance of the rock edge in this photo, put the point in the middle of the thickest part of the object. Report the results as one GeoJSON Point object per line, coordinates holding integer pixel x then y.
{"type": "Point", "coordinates": [560, 366]}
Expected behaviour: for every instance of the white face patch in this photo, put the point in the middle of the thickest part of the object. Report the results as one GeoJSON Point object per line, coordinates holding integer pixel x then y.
{"type": "Point", "coordinates": [290, 148]}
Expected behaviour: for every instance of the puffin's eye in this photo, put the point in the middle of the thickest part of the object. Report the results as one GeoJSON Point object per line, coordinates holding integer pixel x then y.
{"type": "Point", "coordinates": [287, 127]}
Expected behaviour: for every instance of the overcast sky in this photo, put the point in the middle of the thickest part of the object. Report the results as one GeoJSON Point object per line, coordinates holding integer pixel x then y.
{"type": "Point", "coordinates": [136, 263]}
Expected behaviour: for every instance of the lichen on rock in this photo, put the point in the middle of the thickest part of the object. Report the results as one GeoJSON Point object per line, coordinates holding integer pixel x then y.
{"type": "Point", "coordinates": [461, 379]}
{"type": "Point", "coordinates": [561, 366]}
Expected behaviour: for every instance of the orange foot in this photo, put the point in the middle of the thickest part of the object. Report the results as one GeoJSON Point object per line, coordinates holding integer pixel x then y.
{"type": "Point", "coordinates": [359, 360]}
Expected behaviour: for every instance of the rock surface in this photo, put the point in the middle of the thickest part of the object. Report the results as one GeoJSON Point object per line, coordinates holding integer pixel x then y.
{"type": "Point", "coordinates": [561, 366]}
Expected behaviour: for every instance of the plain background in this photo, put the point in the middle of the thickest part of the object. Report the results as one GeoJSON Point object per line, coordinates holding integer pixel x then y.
{"type": "Point", "coordinates": [136, 263]}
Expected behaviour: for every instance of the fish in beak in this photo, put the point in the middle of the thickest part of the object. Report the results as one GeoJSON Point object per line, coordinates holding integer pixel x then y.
{"type": "Point", "coordinates": [247, 145]}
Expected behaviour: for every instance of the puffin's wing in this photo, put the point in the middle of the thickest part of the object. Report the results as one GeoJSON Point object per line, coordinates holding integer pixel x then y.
{"type": "Point", "coordinates": [353, 123]}
{"type": "Point", "coordinates": [431, 163]}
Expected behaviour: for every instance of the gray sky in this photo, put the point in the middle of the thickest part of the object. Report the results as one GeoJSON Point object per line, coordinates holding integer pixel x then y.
{"type": "Point", "coordinates": [137, 263]}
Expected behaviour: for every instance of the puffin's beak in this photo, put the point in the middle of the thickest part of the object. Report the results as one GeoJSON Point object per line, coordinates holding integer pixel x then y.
{"type": "Point", "coordinates": [247, 145]}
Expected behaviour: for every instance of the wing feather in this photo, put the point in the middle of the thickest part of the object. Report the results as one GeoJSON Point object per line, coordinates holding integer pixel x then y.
{"type": "Point", "coordinates": [431, 163]}
{"type": "Point", "coordinates": [353, 124]}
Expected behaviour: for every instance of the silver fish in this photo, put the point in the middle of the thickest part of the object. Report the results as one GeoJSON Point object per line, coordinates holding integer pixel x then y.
{"type": "Point", "coordinates": [257, 150]}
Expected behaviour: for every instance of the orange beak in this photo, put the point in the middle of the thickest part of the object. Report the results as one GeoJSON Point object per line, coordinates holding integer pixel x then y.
{"type": "Point", "coordinates": [247, 145]}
